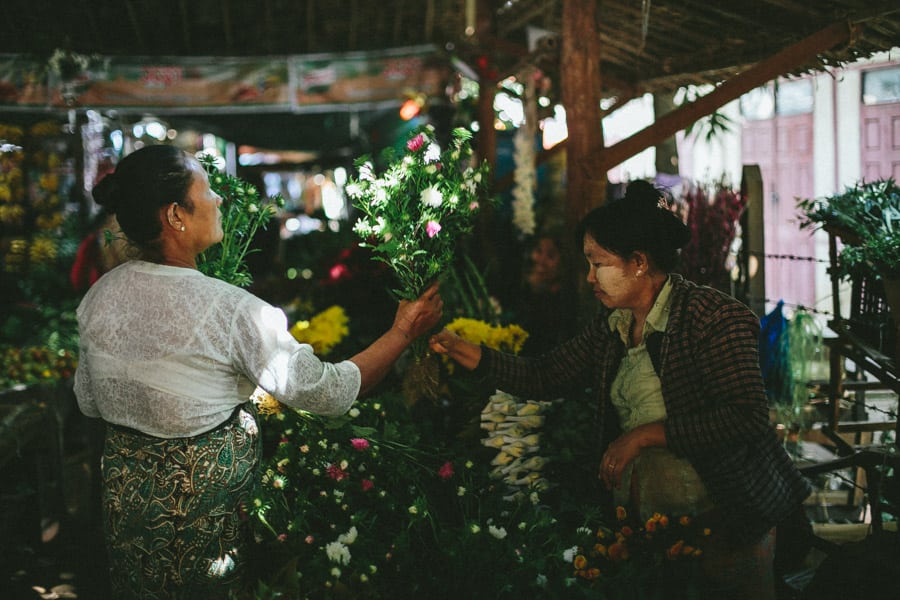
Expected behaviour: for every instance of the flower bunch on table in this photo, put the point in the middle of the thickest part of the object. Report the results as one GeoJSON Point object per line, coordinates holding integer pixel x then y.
{"type": "Point", "coordinates": [416, 211]}
{"type": "Point", "coordinates": [35, 364]}
{"type": "Point", "coordinates": [650, 554]}
{"type": "Point", "coordinates": [343, 503]}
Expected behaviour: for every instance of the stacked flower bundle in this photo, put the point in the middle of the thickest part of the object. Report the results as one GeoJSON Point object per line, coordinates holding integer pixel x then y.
{"type": "Point", "coordinates": [513, 428]}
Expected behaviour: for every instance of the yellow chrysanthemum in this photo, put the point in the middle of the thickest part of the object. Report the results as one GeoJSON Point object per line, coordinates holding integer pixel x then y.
{"type": "Point", "coordinates": [507, 339]}
{"type": "Point", "coordinates": [48, 222]}
{"type": "Point", "coordinates": [42, 250]}
{"type": "Point", "coordinates": [49, 182]}
{"type": "Point", "coordinates": [324, 331]}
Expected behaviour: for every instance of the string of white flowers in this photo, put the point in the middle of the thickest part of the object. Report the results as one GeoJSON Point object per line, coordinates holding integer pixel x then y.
{"type": "Point", "coordinates": [512, 428]}
{"type": "Point", "coordinates": [524, 176]}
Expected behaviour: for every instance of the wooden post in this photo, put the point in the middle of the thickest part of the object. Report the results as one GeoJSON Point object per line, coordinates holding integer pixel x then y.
{"type": "Point", "coordinates": [487, 86]}
{"type": "Point", "coordinates": [486, 140]}
{"type": "Point", "coordinates": [580, 69]}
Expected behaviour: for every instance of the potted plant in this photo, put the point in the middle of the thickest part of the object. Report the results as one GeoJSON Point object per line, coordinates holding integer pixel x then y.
{"type": "Point", "coordinates": [866, 217]}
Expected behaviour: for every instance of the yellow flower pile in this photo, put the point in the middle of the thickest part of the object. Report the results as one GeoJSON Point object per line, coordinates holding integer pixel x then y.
{"type": "Point", "coordinates": [12, 190]}
{"type": "Point", "coordinates": [510, 338]}
{"type": "Point", "coordinates": [324, 331]}
{"type": "Point", "coordinates": [30, 206]}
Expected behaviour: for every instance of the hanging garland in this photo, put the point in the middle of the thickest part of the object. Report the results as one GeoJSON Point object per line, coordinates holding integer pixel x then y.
{"type": "Point", "coordinates": [525, 177]}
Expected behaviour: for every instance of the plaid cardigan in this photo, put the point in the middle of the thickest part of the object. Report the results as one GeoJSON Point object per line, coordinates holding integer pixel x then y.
{"type": "Point", "coordinates": [717, 413]}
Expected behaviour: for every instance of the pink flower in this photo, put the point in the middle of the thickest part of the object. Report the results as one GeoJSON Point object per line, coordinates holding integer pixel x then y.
{"type": "Point", "coordinates": [473, 206]}
{"type": "Point", "coordinates": [366, 485]}
{"type": "Point", "coordinates": [309, 539]}
{"type": "Point", "coordinates": [416, 143]}
{"type": "Point", "coordinates": [282, 537]}
{"type": "Point", "coordinates": [446, 471]}
{"type": "Point", "coordinates": [337, 271]}
{"type": "Point", "coordinates": [432, 228]}
{"type": "Point", "coordinates": [360, 444]}
{"type": "Point", "coordinates": [335, 472]}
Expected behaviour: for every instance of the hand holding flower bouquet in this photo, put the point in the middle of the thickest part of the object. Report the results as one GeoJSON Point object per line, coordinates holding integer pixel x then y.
{"type": "Point", "coordinates": [414, 214]}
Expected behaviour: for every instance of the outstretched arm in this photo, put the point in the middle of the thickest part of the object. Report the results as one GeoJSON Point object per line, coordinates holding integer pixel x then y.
{"type": "Point", "coordinates": [412, 320]}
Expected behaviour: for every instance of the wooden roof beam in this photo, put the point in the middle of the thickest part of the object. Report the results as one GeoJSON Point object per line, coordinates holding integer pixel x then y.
{"type": "Point", "coordinates": [781, 62]}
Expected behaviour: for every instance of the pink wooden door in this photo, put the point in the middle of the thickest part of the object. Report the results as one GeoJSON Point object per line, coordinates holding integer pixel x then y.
{"type": "Point", "coordinates": [782, 146]}
{"type": "Point", "coordinates": [880, 141]}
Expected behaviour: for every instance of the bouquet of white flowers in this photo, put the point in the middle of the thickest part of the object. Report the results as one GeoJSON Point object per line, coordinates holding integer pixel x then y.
{"type": "Point", "coordinates": [414, 213]}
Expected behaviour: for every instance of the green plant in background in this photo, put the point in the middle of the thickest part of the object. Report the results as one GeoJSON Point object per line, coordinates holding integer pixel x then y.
{"type": "Point", "coordinates": [244, 212]}
{"type": "Point", "coordinates": [867, 218]}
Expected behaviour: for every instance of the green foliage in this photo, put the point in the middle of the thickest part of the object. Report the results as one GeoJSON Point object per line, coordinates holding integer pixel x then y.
{"type": "Point", "coordinates": [244, 212]}
{"type": "Point", "coordinates": [373, 504]}
{"type": "Point", "coordinates": [466, 293]}
{"type": "Point", "coordinates": [867, 218]}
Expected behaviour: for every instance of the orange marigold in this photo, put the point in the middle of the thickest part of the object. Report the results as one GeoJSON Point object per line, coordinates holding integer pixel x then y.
{"type": "Point", "coordinates": [674, 550]}
{"type": "Point", "coordinates": [580, 561]}
{"type": "Point", "coordinates": [684, 521]}
{"type": "Point", "coordinates": [621, 513]}
{"type": "Point", "coordinates": [618, 552]}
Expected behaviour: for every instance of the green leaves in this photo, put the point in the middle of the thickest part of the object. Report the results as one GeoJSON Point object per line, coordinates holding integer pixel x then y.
{"type": "Point", "coordinates": [244, 212]}
{"type": "Point", "coordinates": [867, 217]}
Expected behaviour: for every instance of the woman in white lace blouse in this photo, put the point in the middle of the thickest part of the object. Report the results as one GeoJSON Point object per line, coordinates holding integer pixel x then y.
{"type": "Point", "coordinates": [168, 360]}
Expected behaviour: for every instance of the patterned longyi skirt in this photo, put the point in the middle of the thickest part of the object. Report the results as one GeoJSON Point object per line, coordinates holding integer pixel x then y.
{"type": "Point", "coordinates": [172, 509]}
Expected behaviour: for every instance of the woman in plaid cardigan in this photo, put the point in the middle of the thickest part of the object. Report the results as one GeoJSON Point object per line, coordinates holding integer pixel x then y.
{"type": "Point", "coordinates": [682, 418]}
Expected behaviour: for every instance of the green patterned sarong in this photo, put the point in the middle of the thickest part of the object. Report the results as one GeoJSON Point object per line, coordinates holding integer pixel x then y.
{"type": "Point", "coordinates": [172, 509]}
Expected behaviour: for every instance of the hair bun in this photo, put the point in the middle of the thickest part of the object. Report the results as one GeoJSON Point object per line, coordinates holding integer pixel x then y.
{"type": "Point", "coordinates": [642, 194]}
{"type": "Point", "coordinates": [107, 192]}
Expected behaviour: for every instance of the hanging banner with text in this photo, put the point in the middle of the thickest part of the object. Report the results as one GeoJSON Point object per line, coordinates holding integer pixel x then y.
{"type": "Point", "coordinates": [328, 82]}
{"type": "Point", "coordinates": [23, 82]}
{"type": "Point", "coordinates": [179, 83]}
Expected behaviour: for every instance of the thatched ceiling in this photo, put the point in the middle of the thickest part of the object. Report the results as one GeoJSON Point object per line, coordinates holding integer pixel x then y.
{"type": "Point", "coordinates": [648, 45]}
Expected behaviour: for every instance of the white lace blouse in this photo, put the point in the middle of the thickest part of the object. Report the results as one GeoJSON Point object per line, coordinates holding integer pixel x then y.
{"type": "Point", "coordinates": [171, 352]}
